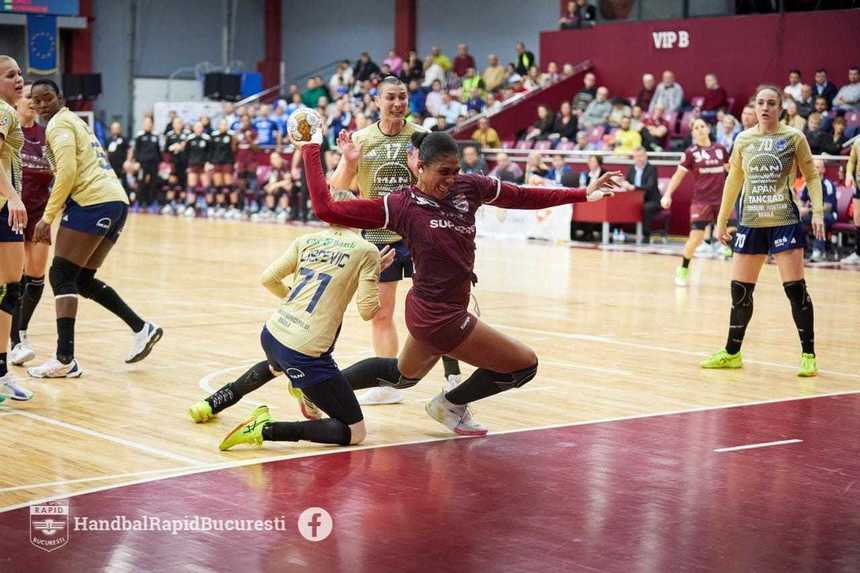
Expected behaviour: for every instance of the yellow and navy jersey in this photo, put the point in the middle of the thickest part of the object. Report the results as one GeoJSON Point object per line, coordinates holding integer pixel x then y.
{"type": "Point", "coordinates": [323, 271]}
{"type": "Point", "coordinates": [763, 168]}
{"type": "Point", "coordinates": [81, 167]}
{"type": "Point", "coordinates": [10, 146]}
{"type": "Point", "coordinates": [383, 168]}
{"type": "Point", "coordinates": [854, 162]}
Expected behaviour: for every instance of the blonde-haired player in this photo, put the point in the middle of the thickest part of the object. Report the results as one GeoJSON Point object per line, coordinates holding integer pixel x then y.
{"type": "Point", "coordinates": [324, 271]}
{"type": "Point", "coordinates": [374, 162]}
{"type": "Point", "coordinates": [852, 179]}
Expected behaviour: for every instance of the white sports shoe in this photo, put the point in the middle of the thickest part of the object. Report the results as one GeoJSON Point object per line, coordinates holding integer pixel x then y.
{"type": "Point", "coordinates": [189, 212]}
{"type": "Point", "coordinates": [704, 249]}
{"type": "Point", "coordinates": [22, 352]}
{"type": "Point", "coordinates": [456, 418]}
{"type": "Point", "coordinates": [381, 395]}
{"type": "Point", "coordinates": [53, 368]}
{"type": "Point", "coordinates": [9, 387]}
{"type": "Point", "coordinates": [143, 341]}
{"type": "Point", "coordinates": [451, 382]}
{"type": "Point", "coordinates": [816, 256]}
{"type": "Point", "coordinates": [852, 259]}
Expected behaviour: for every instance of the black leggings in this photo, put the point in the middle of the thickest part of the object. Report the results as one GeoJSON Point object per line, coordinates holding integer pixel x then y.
{"type": "Point", "coordinates": [336, 398]}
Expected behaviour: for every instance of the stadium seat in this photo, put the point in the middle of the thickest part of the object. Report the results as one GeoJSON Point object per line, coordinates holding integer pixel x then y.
{"type": "Point", "coordinates": [525, 144]}
{"type": "Point", "coordinates": [565, 146]}
{"type": "Point", "coordinates": [543, 145]}
{"type": "Point", "coordinates": [508, 144]}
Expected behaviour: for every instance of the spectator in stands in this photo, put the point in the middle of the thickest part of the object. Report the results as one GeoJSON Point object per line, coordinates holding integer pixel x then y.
{"type": "Point", "coordinates": [440, 59]}
{"type": "Point", "coordinates": [727, 130]}
{"type": "Point", "coordinates": [566, 70]}
{"type": "Point", "coordinates": [451, 109]}
{"type": "Point", "coordinates": [394, 62]}
{"type": "Point", "coordinates": [268, 133]}
{"type": "Point", "coordinates": [820, 108]}
{"type": "Point", "coordinates": [748, 118]}
{"type": "Point", "coordinates": [824, 87]}
{"type": "Point", "coordinates": [848, 98]}
{"type": "Point", "coordinates": [493, 104]}
{"type": "Point", "coordinates": [542, 128]}
{"type": "Point", "coordinates": [506, 170]}
{"type": "Point", "coordinates": [276, 189]}
{"type": "Point", "coordinates": [570, 19]}
{"type": "Point", "coordinates": [587, 13]}
{"type": "Point", "coordinates": [364, 68]}
{"type": "Point", "coordinates": [475, 103]}
{"type": "Point", "coordinates": [636, 118]}
{"type": "Point", "coordinates": [791, 118]}
{"type": "Point", "coordinates": [646, 94]}
{"type": "Point", "coordinates": [657, 129]}
{"type": "Point", "coordinates": [434, 72]}
{"type": "Point", "coordinates": [439, 123]}
{"type": "Point", "coordinates": [626, 139]}
{"type": "Point", "coordinates": [619, 110]}
{"type": "Point", "coordinates": [551, 75]}
{"type": "Point", "coordinates": [341, 79]}
{"type": "Point", "coordinates": [715, 100]}
{"type": "Point", "coordinates": [581, 141]}
{"type": "Point", "coordinates": [831, 211]}
{"type": "Point", "coordinates": [525, 59]}
{"type": "Point", "coordinates": [117, 150]}
{"type": "Point", "coordinates": [472, 81]}
{"type": "Point", "coordinates": [512, 75]}
{"type": "Point", "coordinates": [559, 169]}
{"type": "Point", "coordinates": [485, 135]}
{"type": "Point", "coordinates": [494, 74]}
{"type": "Point", "coordinates": [417, 98]}
{"type": "Point", "coordinates": [594, 171]}
{"type": "Point", "coordinates": [584, 96]}
{"type": "Point", "coordinates": [532, 80]}
{"type": "Point", "coordinates": [413, 69]}
{"type": "Point", "coordinates": [535, 166]}
{"type": "Point", "coordinates": [565, 125]}
{"type": "Point", "coordinates": [587, 231]}
{"type": "Point", "coordinates": [793, 88]}
{"type": "Point", "coordinates": [806, 102]}
{"type": "Point", "coordinates": [643, 177]}
{"type": "Point", "coordinates": [472, 162]}
{"type": "Point", "coordinates": [815, 135]}
{"type": "Point", "coordinates": [434, 99]}
{"type": "Point", "coordinates": [315, 90]}
{"type": "Point", "coordinates": [669, 94]}
{"type": "Point", "coordinates": [832, 145]}
{"type": "Point", "coordinates": [598, 110]}
{"type": "Point", "coordinates": [463, 61]}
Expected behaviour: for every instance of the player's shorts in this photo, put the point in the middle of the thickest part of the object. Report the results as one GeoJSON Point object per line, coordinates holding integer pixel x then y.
{"type": "Point", "coordinates": [302, 370]}
{"type": "Point", "coordinates": [103, 219]}
{"type": "Point", "coordinates": [769, 240]}
{"type": "Point", "coordinates": [246, 169]}
{"type": "Point", "coordinates": [703, 214]}
{"type": "Point", "coordinates": [223, 168]}
{"type": "Point", "coordinates": [857, 190]}
{"type": "Point", "coordinates": [7, 235]}
{"type": "Point", "coordinates": [197, 169]}
{"type": "Point", "coordinates": [441, 326]}
{"type": "Point", "coordinates": [35, 210]}
{"type": "Point", "coordinates": [402, 267]}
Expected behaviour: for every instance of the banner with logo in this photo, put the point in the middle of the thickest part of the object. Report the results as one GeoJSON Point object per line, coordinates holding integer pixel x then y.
{"type": "Point", "coordinates": [549, 224]}
{"type": "Point", "coordinates": [42, 44]}
{"type": "Point", "coordinates": [49, 525]}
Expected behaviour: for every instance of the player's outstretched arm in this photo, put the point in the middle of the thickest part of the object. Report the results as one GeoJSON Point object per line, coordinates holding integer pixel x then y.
{"type": "Point", "coordinates": [513, 196]}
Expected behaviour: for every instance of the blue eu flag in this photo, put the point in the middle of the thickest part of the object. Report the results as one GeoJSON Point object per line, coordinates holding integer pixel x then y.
{"type": "Point", "coordinates": [42, 44]}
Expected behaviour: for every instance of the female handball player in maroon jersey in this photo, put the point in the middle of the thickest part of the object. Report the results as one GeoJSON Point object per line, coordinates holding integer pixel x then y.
{"type": "Point", "coordinates": [437, 218]}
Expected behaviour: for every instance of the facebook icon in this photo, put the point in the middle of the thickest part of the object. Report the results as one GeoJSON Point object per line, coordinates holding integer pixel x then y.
{"type": "Point", "coordinates": [315, 524]}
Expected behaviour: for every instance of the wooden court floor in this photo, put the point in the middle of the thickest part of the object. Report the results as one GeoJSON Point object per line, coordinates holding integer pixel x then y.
{"type": "Point", "coordinates": [615, 339]}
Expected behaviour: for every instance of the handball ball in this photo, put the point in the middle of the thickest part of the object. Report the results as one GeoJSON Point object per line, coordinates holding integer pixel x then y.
{"type": "Point", "coordinates": [303, 124]}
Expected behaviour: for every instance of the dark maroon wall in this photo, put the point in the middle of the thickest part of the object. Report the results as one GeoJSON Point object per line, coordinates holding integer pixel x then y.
{"type": "Point", "coordinates": [743, 51]}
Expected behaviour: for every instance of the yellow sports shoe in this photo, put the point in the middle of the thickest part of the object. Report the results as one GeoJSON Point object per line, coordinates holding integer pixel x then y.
{"type": "Point", "coordinates": [248, 432]}
{"type": "Point", "coordinates": [808, 367]}
{"type": "Point", "coordinates": [723, 359]}
{"type": "Point", "coordinates": [308, 408]}
{"type": "Point", "coordinates": [201, 412]}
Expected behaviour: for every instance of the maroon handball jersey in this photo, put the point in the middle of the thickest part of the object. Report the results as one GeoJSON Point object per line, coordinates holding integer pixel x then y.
{"type": "Point", "coordinates": [707, 165]}
{"type": "Point", "coordinates": [36, 171]}
{"type": "Point", "coordinates": [441, 235]}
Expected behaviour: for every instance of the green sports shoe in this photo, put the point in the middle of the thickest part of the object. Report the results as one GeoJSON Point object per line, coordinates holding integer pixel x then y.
{"type": "Point", "coordinates": [201, 412]}
{"type": "Point", "coordinates": [681, 276]}
{"type": "Point", "coordinates": [248, 432]}
{"type": "Point", "coordinates": [723, 359]}
{"type": "Point", "coordinates": [308, 408]}
{"type": "Point", "coordinates": [808, 367]}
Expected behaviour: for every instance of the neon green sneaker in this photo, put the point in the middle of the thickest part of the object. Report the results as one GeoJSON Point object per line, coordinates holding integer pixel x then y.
{"type": "Point", "coordinates": [308, 408]}
{"type": "Point", "coordinates": [201, 412]}
{"type": "Point", "coordinates": [808, 367]}
{"type": "Point", "coordinates": [681, 276]}
{"type": "Point", "coordinates": [2, 398]}
{"type": "Point", "coordinates": [723, 359]}
{"type": "Point", "coordinates": [248, 432]}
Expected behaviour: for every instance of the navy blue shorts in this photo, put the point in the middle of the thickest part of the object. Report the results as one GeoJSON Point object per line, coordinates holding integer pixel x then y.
{"type": "Point", "coordinates": [104, 219]}
{"type": "Point", "coordinates": [857, 189]}
{"type": "Point", "coordinates": [401, 268]}
{"type": "Point", "coordinates": [7, 235]}
{"type": "Point", "coordinates": [301, 369]}
{"type": "Point", "coordinates": [769, 240]}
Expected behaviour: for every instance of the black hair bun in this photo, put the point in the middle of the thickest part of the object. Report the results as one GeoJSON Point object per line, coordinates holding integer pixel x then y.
{"type": "Point", "coordinates": [418, 137]}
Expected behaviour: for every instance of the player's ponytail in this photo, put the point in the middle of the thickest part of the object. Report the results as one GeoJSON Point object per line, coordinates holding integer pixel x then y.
{"type": "Point", "coordinates": [433, 146]}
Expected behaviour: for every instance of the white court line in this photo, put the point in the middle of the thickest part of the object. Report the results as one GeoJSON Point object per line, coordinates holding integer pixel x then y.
{"type": "Point", "coordinates": [122, 441]}
{"type": "Point", "coordinates": [89, 479]}
{"type": "Point", "coordinates": [576, 366]}
{"type": "Point", "coordinates": [230, 465]}
{"type": "Point", "coordinates": [761, 445]}
{"type": "Point", "coordinates": [606, 340]}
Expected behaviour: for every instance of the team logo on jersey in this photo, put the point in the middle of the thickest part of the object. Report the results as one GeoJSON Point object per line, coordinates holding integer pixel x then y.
{"type": "Point", "coordinates": [780, 144]}
{"type": "Point", "coordinates": [294, 374]}
{"type": "Point", "coordinates": [424, 201]}
{"type": "Point", "coordinates": [4, 120]}
{"type": "Point", "coordinates": [104, 223]}
{"type": "Point", "coordinates": [371, 154]}
{"type": "Point", "coordinates": [460, 203]}
{"type": "Point", "coordinates": [49, 525]}
{"type": "Point", "coordinates": [719, 154]}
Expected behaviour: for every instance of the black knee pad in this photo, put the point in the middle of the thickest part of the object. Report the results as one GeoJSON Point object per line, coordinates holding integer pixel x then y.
{"type": "Point", "coordinates": [10, 294]}
{"type": "Point", "coordinates": [742, 294]}
{"type": "Point", "coordinates": [518, 378]}
{"type": "Point", "coordinates": [87, 283]}
{"type": "Point", "coordinates": [63, 277]}
{"type": "Point", "coordinates": [797, 293]}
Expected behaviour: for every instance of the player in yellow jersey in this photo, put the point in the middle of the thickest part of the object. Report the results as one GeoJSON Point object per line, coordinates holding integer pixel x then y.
{"type": "Point", "coordinates": [762, 168]}
{"type": "Point", "coordinates": [324, 270]}
{"type": "Point", "coordinates": [852, 179]}
{"type": "Point", "coordinates": [94, 207]}
{"type": "Point", "coordinates": [13, 216]}
{"type": "Point", "coordinates": [374, 163]}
